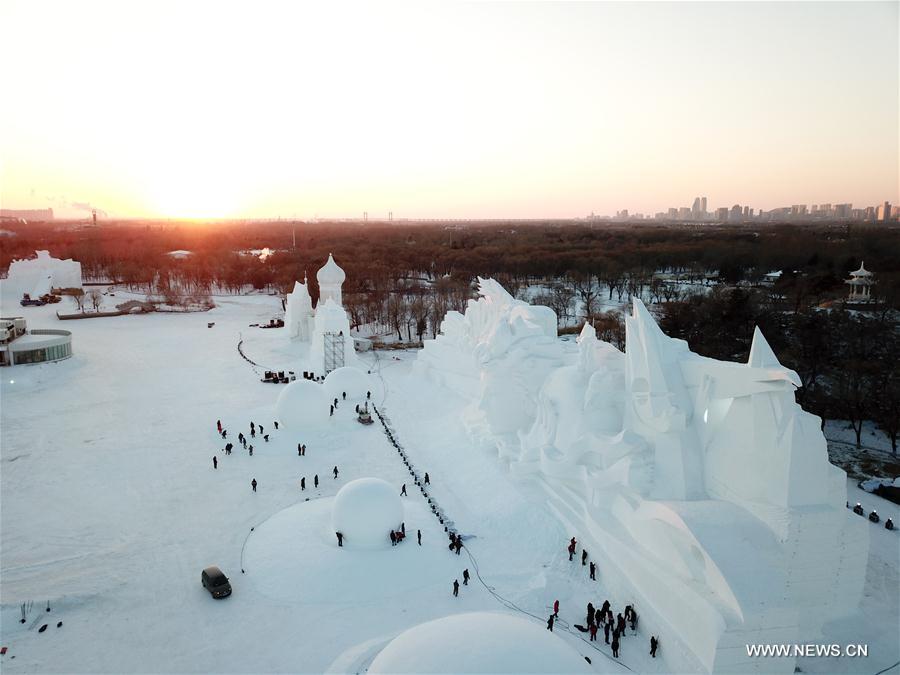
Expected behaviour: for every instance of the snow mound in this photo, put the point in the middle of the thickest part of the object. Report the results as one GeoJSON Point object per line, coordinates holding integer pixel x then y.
{"type": "Point", "coordinates": [301, 405]}
{"type": "Point", "coordinates": [365, 511]}
{"type": "Point", "coordinates": [478, 642]}
{"type": "Point", "coordinates": [347, 379]}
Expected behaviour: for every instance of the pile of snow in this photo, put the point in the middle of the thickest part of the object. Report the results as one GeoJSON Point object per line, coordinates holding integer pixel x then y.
{"type": "Point", "coordinates": [478, 642]}
{"type": "Point", "coordinates": [348, 379]}
{"type": "Point", "coordinates": [301, 405]}
{"type": "Point", "coordinates": [365, 511]}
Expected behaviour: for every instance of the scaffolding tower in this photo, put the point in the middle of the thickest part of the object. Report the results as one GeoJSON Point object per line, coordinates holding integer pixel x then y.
{"type": "Point", "coordinates": [334, 351]}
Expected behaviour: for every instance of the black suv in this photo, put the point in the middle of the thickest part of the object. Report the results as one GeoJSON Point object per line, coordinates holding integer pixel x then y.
{"type": "Point", "coordinates": [215, 581]}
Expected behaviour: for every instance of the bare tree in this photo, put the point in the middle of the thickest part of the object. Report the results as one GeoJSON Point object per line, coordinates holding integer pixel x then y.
{"type": "Point", "coordinates": [96, 299]}
{"type": "Point", "coordinates": [78, 297]}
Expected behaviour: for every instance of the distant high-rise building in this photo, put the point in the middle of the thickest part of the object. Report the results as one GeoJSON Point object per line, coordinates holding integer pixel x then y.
{"type": "Point", "coordinates": [798, 210]}
{"type": "Point", "coordinates": [673, 213]}
{"type": "Point", "coordinates": [746, 212]}
{"type": "Point", "coordinates": [884, 212]}
{"type": "Point", "coordinates": [870, 213]}
{"type": "Point", "coordinates": [735, 213]}
{"type": "Point", "coordinates": [684, 213]}
{"type": "Point", "coordinates": [842, 210]}
{"type": "Point", "coordinates": [722, 213]}
{"type": "Point", "coordinates": [703, 206]}
{"type": "Point", "coordinates": [695, 208]}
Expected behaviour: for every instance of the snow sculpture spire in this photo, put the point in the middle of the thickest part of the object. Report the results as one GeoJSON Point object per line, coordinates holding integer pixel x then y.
{"type": "Point", "coordinates": [761, 354]}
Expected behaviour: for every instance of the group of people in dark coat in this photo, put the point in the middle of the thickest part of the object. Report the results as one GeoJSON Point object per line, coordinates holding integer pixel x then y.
{"type": "Point", "coordinates": [455, 543]}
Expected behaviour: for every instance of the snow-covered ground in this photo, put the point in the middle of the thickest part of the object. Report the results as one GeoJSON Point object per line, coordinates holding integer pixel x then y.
{"type": "Point", "coordinates": [111, 508]}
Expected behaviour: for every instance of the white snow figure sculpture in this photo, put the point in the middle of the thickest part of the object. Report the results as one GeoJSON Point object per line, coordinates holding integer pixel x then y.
{"type": "Point", "coordinates": [701, 487]}
{"type": "Point", "coordinates": [500, 351]}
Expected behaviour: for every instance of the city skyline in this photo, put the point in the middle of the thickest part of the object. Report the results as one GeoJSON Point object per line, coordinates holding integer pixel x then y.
{"type": "Point", "coordinates": [445, 111]}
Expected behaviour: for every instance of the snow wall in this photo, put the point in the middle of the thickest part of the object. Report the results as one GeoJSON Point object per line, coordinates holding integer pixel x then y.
{"type": "Point", "coordinates": [700, 486]}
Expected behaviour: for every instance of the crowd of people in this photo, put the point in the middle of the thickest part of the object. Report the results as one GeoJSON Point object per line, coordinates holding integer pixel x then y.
{"type": "Point", "coordinates": [602, 618]}
{"type": "Point", "coordinates": [613, 625]}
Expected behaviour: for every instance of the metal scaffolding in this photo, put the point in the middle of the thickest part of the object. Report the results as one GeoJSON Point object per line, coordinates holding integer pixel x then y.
{"type": "Point", "coordinates": [334, 351]}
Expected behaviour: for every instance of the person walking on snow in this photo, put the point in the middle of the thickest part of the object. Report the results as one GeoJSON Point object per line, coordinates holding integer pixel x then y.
{"type": "Point", "coordinates": [303, 483]}
{"type": "Point", "coordinates": [251, 451]}
{"type": "Point", "coordinates": [571, 549]}
{"type": "Point", "coordinates": [620, 624]}
{"type": "Point", "coordinates": [219, 425]}
{"type": "Point", "coordinates": [224, 433]}
{"type": "Point", "coordinates": [556, 608]}
{"type": "Point", "coordinates": [593, 630]}
{"type": "Point", "coordinates": [393, 538]}
{"type": "Point", "coordinates": [345, 395]}
{"type": "Point", "coordinates": [465, 577]}
{"type": "Point", "coordinates": [266, 438]}
{"type": "Point", "coordinates": [335, 473]}
{"type": "Point", "coordinates": [303, 450]}
{"type": "Point", "coordinates": [316, 480]}
{"type": "Point", "coordinates": [419, 536]}
{"type": "Point", "coordinates": [276, 426]}
{"type": "Point", "coordinates": [368, 395]}
{"type": "Point", "coordinates": [583, 557]}
{"type": "Point", "coordinates": [606, 632]}
{"type": "Point", "coordinates": [403, 491]}
{"type": "Point", "coordinates": [340, 538]}
{"type": "Point", "coordinates": [252, 428]}
{"type": "Point", "coordinates": [427, 479]}
{"type": "Point", "coordinates": [633, 621]}
{"type": "Point", "coordinates": [215, 462]}
{"type": "Point", "coordinates": [550, 622]}
{"type": "Point", "coordinates": [299, 450]}
{"type": "Point", "coordinates": [260, 429]}
{"type": "Point", "coordinates": [590, 614]}
{"type": "Point", "coordinates": [240, 437]}
{"type": "Point", "coordinates": [331, 414]}
{"type": "Point", "coordinates": [456, 588]}
{"type": "Point", "coordinates": [253, 484]}
{"type": "Point", "coordinates": [654, 645]}
{"type": "Point", "coordinates": [615, 645]}
{"type": "Point", "coordinates": [593, 569]}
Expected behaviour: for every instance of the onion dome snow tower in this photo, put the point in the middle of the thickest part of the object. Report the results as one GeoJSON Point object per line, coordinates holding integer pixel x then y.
{"type": "Point", "coordinates": [330, 278]}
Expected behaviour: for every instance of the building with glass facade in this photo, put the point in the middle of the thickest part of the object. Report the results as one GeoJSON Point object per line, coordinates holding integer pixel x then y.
{"type": "Point", "coordinates": [21, 346]}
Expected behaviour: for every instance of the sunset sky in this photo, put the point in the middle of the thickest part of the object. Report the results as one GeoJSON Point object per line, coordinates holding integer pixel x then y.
{"type": "Point", "coordinates": [219, 109]}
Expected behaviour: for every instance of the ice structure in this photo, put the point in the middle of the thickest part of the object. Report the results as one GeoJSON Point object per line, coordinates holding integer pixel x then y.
{"type": "Point", "coordinates": [478, 642]}
{"type": "Point", "coordinates": [700, 487]}
{"type": "Point", "coordinates": [38, 276]}
{"type": "Point", "coordinates": [365, 511]}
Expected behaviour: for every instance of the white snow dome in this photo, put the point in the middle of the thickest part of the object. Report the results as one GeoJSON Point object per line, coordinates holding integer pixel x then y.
{"type": "Point", "coordinates": [478, 642]}
{"type": "Point", "coordinates": [347, 379]}
{"type": "Point", "coordinates": [301, 405]}
{"type": "Point", "coordinates": [330, 274]}
{"type": "Point", "coordinates": [365, 511]}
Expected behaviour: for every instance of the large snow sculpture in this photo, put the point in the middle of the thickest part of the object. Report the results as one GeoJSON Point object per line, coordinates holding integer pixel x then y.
{"type": "Point", "coordinates": [499, 351]}
{"type": "Point", "coordinates": [302, 405]}
{"type": "Point", "coordinates": [365, 511]}
{"type": "Point", "coordinates": [478, 642]}
{"type": "Point", "coordinates": [38, 276]}
{"type": "Point", "coordinates": [701, 487]}
{"type": "Point", "coordinates": [331, 345]}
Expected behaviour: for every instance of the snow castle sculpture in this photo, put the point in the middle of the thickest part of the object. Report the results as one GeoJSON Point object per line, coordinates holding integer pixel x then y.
{"type": "Point", "coordinates": [702, 488]}
{"type": "Point", "coordinates": [326, 328]}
